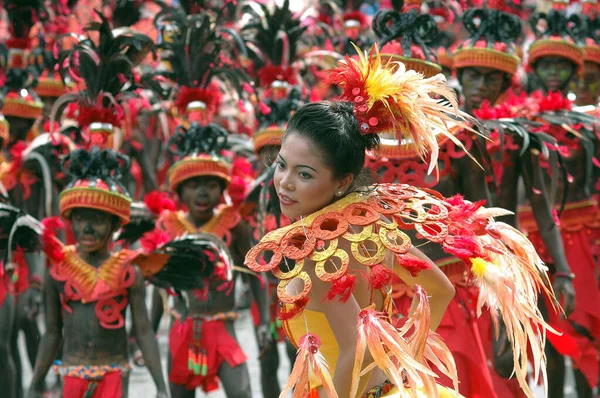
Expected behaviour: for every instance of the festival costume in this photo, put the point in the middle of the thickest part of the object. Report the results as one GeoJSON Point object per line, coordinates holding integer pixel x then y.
{"type": "Point", "coordinates": [400, 163]}
{"type": "Point", "coordinates": [198, 346]}
{"type": "Point", "coordinates": [92, 381]}
{"type": "Point", "coordinates": [376, 217]}
{"type": "Point", "coordinates": [574, 133]}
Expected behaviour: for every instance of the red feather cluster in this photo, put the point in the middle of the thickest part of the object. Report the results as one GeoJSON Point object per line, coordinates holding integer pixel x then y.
{"type": "Point", "coordinates": [299, 305]}
{"type": "Point", "coordinates": [211, 96]}
{"type": "Point", "coordinates": [552, 102]}
{"type": "Point", "coordinates": [270, 73]}
{"type": "Point", "coordinates": [51, 245]}
{"type": "Point", "coordinates": [381, 277]}
{"type": "Point", "coordinates": [98, 113]}
{"type": "Point", "coordinates": [356, 16]}
{"type": "Point", "coordinates": [343, 287]}
{"type": "Point", "coordinates": [353, 81]}
{"type": "Point", "coordinates": [412, 264]}
{"type": "Point", "coordinates": [153, 240]}
{"type": "Point", "coordinates": [157, 202]}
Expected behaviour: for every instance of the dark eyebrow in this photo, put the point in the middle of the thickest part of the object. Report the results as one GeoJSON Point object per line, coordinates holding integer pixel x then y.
{"type": "Point", "coordinates": [300, 165]}
{"type": "Point", "coordinates": [308, 167]}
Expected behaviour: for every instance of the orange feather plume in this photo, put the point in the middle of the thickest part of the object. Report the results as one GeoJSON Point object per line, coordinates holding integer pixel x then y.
{"type": "Point", "coordinates": [391, 353]}
{"type": "Point", "coordinates": [309, 360]}
{"type": "Point", "coordinates": [510, 280]}
{"type": "Point", "coordinates": [427, 345]}
{"type": "Point", "coordinates": [388, 98]}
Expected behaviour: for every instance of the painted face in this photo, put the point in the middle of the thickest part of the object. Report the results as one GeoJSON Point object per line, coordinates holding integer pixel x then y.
{"type": "Point", "coordinates": [201, 195]}
{"type": "Point", "coordinates": [554, 72]}
{"type": "Point", "coordinates": [304, 183]}
{"type": "Point", "coordinates": [587, 88]}
{"type": "Point", "coordinates": [92, 229]}
{"type": "Point", "coordinates": [480, 84]}
{"type": "Point", "coordinates": [19, 127]}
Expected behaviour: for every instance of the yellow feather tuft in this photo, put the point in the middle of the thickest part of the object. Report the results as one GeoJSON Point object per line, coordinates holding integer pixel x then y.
{"type": "Point", "coordinates": [478, 266]}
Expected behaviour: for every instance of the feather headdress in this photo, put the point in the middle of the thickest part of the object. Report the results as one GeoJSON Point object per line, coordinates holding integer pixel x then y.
{"type": "Point", "coordinates": [388, 98]}
{"type": "Point", "coordinates": [406, 36]}
{"type": "Point", "coordinates": [200, 53]}
{"type": "Point", "coordinates": [106, 71]}
{"type": "Point", "coordinates": [198, 151]}
{"type": "Point", "coordinates": [272, 39]}
{"type": "Point", "coordinates": [96, 183]}
{"type": "Point", "coordinates": [491, 42]}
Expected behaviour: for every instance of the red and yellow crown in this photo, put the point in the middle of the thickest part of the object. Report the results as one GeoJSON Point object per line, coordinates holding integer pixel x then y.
{"type": "Point", "coordinates": [271, 135]}
{"type": "Point", "coordinates": [198, 166]}
{"type": "Point", "coordinates": [481, 56]}
{"type": "Point", "coordinates": [555, 44]}
{"type": "Point", "coordinates": [23, 104]}
{"type": "Point", "coordinates": [95, 195]}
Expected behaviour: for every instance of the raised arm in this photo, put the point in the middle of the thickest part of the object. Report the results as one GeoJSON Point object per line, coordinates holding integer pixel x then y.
{"type": "Point", "coordinates": [144, 334]}
{"type": "Point", "coordinates": [51, 340]}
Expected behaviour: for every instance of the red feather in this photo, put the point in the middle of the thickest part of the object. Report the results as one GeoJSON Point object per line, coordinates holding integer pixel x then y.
{"type": "Point", "coordinates": [52, 246]}
{"type": "Point", "coordinates": [153, 240]}
{"type": "Point", "coordinates": [299, 305]}
{"type": "Point", "coordinates": [157, 202]}
{"type": "Point", "coordinates": [343, 287]}
{"type": "Point", "coordinates": [382, 277]}
{"type": "Point", "coordinates": [211, 96]}
{"type": "Point", "coordinates": [412, 264]}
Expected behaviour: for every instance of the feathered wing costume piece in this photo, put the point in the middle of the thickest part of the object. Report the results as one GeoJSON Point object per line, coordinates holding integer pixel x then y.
{"type": "Point", "coordinates": [185, 262]}
{"type": "Point", "coordinates": [509, 282]}
{"type": "Point", "coordinates": [510, 277]}
{"type": "Point", "coordinates": [309, 361]}
{"type": "Point", "coordinates": [388, 98]}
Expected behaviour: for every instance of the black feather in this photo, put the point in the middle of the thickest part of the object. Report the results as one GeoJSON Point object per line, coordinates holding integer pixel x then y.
{"type": "Point", "coordinates": [263, 30]}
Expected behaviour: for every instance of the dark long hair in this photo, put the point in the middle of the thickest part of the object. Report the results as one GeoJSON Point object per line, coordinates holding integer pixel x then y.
{"type": "Point", "coordinates": [333, 128]}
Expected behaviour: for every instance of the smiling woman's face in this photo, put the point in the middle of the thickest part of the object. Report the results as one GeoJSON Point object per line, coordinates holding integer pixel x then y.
{"type": "Point", "coordinates": [304, 183]}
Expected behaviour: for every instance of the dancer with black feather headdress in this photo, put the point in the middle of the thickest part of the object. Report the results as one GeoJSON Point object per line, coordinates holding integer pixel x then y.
{"type": "Point", "coordinates": [88, 288]}
{"type": "Point", "coordinates": [203, 348]}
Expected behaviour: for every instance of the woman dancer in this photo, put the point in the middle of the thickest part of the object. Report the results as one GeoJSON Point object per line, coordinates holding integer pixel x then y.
{"type": "Point", "coordinates": [348, 237]}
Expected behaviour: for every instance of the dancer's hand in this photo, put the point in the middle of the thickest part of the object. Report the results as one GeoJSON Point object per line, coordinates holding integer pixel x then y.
{"type": "Point", "coordinates": [565, 294]}
{"type": "Point", "coordinates": [264, 337]}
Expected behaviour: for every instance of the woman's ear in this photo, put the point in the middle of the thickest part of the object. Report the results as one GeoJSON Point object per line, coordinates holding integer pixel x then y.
{"type": "Point", "coordinates": [345, 182]}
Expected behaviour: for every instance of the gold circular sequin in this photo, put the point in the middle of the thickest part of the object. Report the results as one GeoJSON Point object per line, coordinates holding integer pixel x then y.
{"type": "Point", "coordinates": [390, 239]}
{"type": "Point", "coordinates": [433, 231]}
{"type": "Point", "coordinates": [321, 224]}
{"type": "Point", "coordinates": [255, 252]}
{"type": "Point", "coordinates": [279, 274]}
{"type": "Point", "coordinates": [360, 236]}
{"type": "Point", "coordinates": [331, 276]}
{"type": "Point", "coordinates": [289, 299]}
{"type": "Point", "coordinates": [298, 235]}
{"type": "Point", "coordinates": [327, 252]}
{"type": "Point", "coordinates": [369, 260]}
{"type": "Point", "coordinates": [440, 213]}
